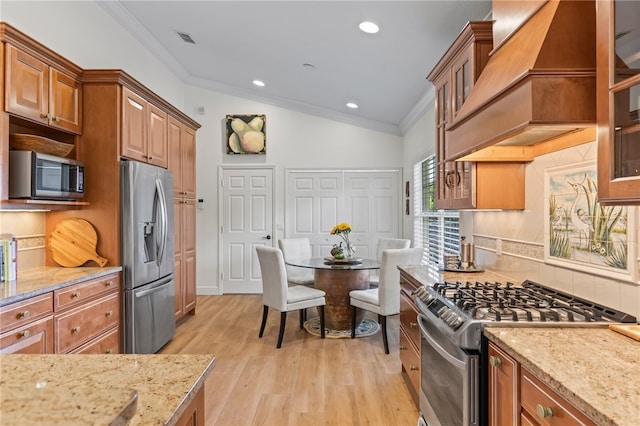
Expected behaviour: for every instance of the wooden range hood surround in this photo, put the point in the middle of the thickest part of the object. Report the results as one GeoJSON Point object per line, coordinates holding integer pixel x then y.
{"type": "Point", "coordinates": [537, 93]}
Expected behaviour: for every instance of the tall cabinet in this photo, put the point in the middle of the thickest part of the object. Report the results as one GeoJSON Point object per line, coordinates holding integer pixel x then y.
{"type": "Point", "coordinates": [466, 184]}
{"type": "Point", "coordinates": [124, 119]}
{"type": "Point", "coordinates": [618, 107]}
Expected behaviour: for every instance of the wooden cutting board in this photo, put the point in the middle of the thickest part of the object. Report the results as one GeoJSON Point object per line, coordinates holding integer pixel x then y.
{"type": "Point", "coordinates": [632, 331]}
{"type": "Point", "coordinates": [73, 243]}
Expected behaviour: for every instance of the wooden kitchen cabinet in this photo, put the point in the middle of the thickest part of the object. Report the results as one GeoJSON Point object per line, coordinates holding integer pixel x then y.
{"type": "Point", "coordinates": [409, 336]}
{"type": "Point", "coordinates": [618, 106]}
{"type": "Point", "coordinates": [144, 130]}
{"type": "Point", "coordinates": [516, 396]}
{"type": "Point", "coordinates": [466, 184]}
{"type": "Point", "coordinates": [182, 154]}
{"type": "Point", "coordinates": [39, 91]}
{"type": "Point", "coordinates": [26, 327]}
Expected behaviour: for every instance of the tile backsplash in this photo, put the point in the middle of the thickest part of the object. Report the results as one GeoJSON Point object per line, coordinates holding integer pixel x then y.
{"type": "Point", "coordinates": [29, 230]}
{"type": "Point", "coordinates": [512, 242]}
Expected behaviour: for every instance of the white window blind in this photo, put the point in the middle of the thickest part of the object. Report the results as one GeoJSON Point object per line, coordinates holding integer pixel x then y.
{"type": "Point", "coordinates": [437, 231]}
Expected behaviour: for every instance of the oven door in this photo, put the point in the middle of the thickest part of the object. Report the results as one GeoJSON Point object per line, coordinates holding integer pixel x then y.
{"type": "Point", "coordinates": [448, 381]}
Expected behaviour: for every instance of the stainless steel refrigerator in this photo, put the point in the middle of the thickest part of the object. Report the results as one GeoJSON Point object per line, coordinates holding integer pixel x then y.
{"type": "Point", "coordinates": [148, 257]}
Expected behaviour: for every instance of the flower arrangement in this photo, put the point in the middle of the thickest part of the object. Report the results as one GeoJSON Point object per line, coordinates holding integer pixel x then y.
{"type": "Point", "coordinates": [343, 230]}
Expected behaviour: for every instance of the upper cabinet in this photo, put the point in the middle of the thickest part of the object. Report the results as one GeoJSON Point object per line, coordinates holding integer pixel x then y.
{"type": "Point", "coordinates": [618, 89]}
{"type": "Point", "coordinates": [40, 91]}
{"type": "Point", "coordinates": [466, 184]}
{"type": "Point", "coordinates": [144, 130]}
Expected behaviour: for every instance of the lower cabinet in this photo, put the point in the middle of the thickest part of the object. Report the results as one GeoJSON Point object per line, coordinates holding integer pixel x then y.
{"type": "Point", "coordinates": [516, 396]}
{"type": "Point", "coordinates": [409, 337]}
{"type": "Point", "coordinates": [185, 256]}
{"type": "Point", "coordinates": [80, 318]}
{"type": "Point", "coordinates": [193, 415]}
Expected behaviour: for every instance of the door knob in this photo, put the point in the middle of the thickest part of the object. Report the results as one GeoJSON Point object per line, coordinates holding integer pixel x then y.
{"type": "Point", "coordinates": [268, 237]}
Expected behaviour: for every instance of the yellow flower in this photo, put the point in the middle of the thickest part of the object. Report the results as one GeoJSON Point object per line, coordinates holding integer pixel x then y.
{"type": "Point", "coordinates": [341, 228]}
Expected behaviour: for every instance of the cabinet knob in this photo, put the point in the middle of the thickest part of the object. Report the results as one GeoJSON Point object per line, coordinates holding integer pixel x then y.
{"type": "Point", "coordinates": [413, 368]}
{"type": "Point", "coordinates": [109, 351]}
{"type": "Point", "coordinates": [108, 283]}
{"type": "Point", "coordinates": [495, 361]}
{"type": "Point", "coordinates": [47, 116]}
{"type": "Point", "coordinates": [413, 324]}
{"type": "Point", "coordinates": [403, 348]}
{"type": "Point", "coordinates": [109, 313]}
{"type": "Point", "coordinates": [23, 314]}
{"type": "Point", "coordinates": [75, 295]}
{"type": "Point", "coordinates": [56, 119]}
{"type": "Point", "coordinates": [543, 411]}
{"type": "Point", "coordinates": [75, 329]}
{"type": "Point", "coordinates": [150, 157]}
{"type": "Point", "coordinates": [24, 333]}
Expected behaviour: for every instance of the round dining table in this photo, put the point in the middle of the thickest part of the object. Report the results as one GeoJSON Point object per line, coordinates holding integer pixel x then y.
{"type": "Point", "coordinates": [337, 277]}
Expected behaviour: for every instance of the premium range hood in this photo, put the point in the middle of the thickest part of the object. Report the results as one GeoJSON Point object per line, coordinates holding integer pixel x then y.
{"type": "Point", "coordinates": [537, 93]}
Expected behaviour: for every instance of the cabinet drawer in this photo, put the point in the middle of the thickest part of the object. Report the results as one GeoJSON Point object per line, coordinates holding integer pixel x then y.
{"type": "Point", "coordinates": [76, 294]}
{"type": "Point", "coordinates": [409, 319]}
{"type": "Point", "coordinates": [108, 343]}
{"type": "Point", "coordinates": [79, 325]}
{"type": "Point", "coordinates": [536, 397]}
{"type": "Point", "coordinates": [23, 312]}
{"type": "Point", "coordinates": [33, 338]}
{"type": "Point", "coordinates": [410, 359]}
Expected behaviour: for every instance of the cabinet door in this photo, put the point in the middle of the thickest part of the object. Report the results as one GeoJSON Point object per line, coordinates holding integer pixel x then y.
{"type": "Point", "coordinates": [174, 133]}
{"type": "Point", "coordinates": [503, 388]}
{"type": "Point", "coordinates": [33, 338]}
{"type": "Point", "coordinates": [189, 255]}
{"type": "Point", "coordinates": [108, 343]}
{"type": "Point", "coordinates": [65, 100]}
{"type": "Point", "coordinates": [178, 213]}
{"type": "Point", "coordinates": [27, 90]}
{"type": "Point", "coordinates": [134, 126]}
{"type": "Point", "coordinates": [157, 148]}
{"type": "Point", "coordinates": [189, 162]}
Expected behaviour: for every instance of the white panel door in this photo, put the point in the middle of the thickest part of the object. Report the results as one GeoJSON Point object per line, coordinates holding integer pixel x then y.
{"type": "Point", "coordinates": [313, 202]}
{"type": "Point", "coordinates": [368, 200]}
{"type": "Point", "coordinates": [247, 222]}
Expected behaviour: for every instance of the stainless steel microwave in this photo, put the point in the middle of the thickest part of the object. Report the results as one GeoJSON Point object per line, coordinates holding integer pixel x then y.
{"type": "Point", "coordinates": [45, 177]}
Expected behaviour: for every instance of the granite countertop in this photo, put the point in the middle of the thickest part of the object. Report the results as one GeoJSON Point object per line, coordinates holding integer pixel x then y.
{"type": "Point", "coordinates": [428, 275]}
{"type": "Point", "coordinates": [595, 369]}
{"type": "Point", "coordinates": [99, 389]}
{"type": "Point", "coordinates": [37, 281]}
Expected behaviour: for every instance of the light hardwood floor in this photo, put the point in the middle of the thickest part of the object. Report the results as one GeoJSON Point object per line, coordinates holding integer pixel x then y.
{"type": "Point", "coordinates": [309, 381]}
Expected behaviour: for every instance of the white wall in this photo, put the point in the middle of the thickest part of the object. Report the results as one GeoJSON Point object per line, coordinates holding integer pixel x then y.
{"type": "Point", "coordinates": [293, 140]}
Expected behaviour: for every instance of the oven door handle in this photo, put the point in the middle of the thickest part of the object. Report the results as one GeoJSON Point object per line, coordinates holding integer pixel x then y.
{"type": "Point", "coordinates": [459, 364]}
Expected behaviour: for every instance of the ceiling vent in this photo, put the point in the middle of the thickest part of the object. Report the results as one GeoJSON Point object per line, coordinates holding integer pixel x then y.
{"type": "Point", "coordinates": [186, 37]}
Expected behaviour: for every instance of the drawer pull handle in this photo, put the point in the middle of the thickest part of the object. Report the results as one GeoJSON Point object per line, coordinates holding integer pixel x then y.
{"type": "Point", "coordinates": [108, 283]}
{"type": "Point", "coordinates": [413, 324]}
{"type": "Point", "coordinates": [109, 351]}
{"type": "Point", "coordinates": [23, 314]}
{"type": "Point", "coordinates": [544, 411]}
{"type": "Point", "coordinates": [75, 294]}
{"type": "Point", "coordinates": [413, 368]}
{"type": "Point", "coordinates": [403, 348]}
{"type": "Point", "coordinates": [495, 361]}
{"type": "Point", "coordinates": [25, 333]}
{"type": "Point", "coordinates": [109, 313]}
{"type": "Point", "coordinates": [75, 329]}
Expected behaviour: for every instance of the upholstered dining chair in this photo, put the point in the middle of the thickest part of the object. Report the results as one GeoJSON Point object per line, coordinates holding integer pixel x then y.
{"type": "Point", "coordinates": [277, 294]}
{"type": "Point", "coordinates": [297, 248]}
{"type": "Point", "coordinates": [384, 244]}
{"type": "Point", "coordinates": [384, 300]}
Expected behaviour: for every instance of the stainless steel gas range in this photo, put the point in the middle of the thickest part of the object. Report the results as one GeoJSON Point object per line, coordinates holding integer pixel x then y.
{"type": "Point", "coordinates": [453, 349]}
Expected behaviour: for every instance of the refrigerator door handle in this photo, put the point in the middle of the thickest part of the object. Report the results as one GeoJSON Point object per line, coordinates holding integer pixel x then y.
{"type": "Point", "coordinates": [163, 221]}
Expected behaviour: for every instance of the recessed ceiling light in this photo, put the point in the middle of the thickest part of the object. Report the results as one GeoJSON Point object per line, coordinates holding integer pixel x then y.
{"type": "Point", "coordinates": [368, 27]}
{"type": "Point", "coordinates": [352, 105]}
{"type": "Point", "coordinates": [258, 83]}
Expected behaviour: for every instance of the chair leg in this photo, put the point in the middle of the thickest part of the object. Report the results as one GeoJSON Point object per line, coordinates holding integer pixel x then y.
{"type": "Point", "coordinates": [265, 312]}
{"type": "Point", "coordinates": [303, 316]}
{"type": "Point", "coordinates": [283, 321]}
{"type": "Point", "coordinates": [322, 322]}
{"type": "Point", "coordinates": [384, 334]}
{"type": "Point", "coordinates": [353, 322]}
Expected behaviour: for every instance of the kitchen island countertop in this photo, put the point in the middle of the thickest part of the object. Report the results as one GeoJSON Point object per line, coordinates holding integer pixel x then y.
{"type": "Point", "coordinates": [164, 384]}
{"type": "Point", "coordinates": [595, 369]}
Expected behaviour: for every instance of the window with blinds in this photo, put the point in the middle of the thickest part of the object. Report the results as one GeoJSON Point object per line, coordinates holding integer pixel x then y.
{"type": "Point", "coordinates": [437, 231]}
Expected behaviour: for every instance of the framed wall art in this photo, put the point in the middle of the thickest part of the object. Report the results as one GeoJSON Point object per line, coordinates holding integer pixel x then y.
{"type": "Point", "coordinates": [582, 234]}
{"type": "Point", "coordinates": [246, 134]}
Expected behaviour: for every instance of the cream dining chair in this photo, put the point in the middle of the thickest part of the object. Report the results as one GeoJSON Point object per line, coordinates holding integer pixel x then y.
{"type": "Point", "coordinates": [385, 244]}
{"type": "Point", "coordinates": [277, 294]}
{"type": "Point", "coordinates": [297, 248]}
{"type": "Point", "coordinates": [384, 300]}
